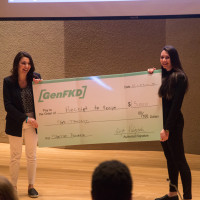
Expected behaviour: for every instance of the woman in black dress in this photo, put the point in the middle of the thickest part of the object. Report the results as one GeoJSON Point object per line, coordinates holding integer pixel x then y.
{"type": "Point", "coordinates": [173, 88]}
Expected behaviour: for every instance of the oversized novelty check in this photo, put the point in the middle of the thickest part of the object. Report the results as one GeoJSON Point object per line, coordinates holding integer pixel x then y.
{"type": "Point", "coordinates": [99, 109]}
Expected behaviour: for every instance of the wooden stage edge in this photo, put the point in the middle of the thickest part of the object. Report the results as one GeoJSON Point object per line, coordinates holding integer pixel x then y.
{"type": "Point", "coordinates": [66, 173]}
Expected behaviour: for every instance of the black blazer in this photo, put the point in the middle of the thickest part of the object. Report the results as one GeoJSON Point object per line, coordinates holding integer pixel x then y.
{"type": "Point", "coordinates": [14, 106]}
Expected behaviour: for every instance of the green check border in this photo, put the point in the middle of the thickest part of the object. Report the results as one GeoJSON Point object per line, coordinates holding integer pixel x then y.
{"type": "Point", "coordinates": [100, 77]}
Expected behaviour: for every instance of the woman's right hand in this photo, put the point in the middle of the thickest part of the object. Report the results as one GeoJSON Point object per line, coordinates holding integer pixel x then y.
{"type": "Point", "coordinates": [164, 135]}
{"type": "Point", "coordinates": [33, 122]}
{"type": "Point", "coordinates": [151, 70]}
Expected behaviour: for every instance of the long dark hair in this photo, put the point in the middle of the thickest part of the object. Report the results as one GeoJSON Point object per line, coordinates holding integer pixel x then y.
{"type": "Point", "coordinates": [16, 61]}
{"type": "Point", "coordinates": [169, 78]}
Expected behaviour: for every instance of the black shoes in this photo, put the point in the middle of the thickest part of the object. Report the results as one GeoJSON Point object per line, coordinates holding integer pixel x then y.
{"type": "Point", "coordinates": [32, 193]}
{"type": "Point", "coordinates": [166, 197]}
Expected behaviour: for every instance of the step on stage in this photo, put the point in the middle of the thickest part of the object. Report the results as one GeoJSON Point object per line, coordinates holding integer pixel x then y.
{"type": "Point", "coordinates": [66, 173]}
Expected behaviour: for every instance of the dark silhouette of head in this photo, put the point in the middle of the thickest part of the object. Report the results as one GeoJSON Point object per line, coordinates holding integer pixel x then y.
{"type": "Point", "coordinates": [111, 180]}
{"type": "Point", "coordinates": [7, 191]}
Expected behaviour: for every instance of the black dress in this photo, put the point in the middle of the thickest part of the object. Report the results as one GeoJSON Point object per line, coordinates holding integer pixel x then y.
{"type": "Point", "coordinates": [173, 147]}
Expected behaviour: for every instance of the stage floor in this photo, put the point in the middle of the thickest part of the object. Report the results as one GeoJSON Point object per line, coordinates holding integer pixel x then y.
{"type": "Point", "coordinates": [66, 173]}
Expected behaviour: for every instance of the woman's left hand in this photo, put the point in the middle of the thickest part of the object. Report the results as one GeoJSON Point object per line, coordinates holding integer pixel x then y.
{"type": "Point", "coordinates": [36, 81]}
{"type": "Point", "coordinates": [33, 122]}
{"type": "Point", "coordinates": [164, 135]}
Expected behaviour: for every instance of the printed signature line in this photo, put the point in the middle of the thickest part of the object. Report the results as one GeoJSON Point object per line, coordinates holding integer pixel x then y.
{"type": "Point", "coordinates": [129, 133]}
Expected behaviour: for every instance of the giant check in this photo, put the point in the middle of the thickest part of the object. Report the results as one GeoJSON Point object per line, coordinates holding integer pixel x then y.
{"type": "Point", "coordinates": [99, 109]}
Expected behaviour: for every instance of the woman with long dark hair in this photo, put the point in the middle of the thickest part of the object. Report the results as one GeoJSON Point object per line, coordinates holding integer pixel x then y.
{"type": "Point", "coordinates": [173, 88]}
{"type": "Point", "coordinates": [20, 119]}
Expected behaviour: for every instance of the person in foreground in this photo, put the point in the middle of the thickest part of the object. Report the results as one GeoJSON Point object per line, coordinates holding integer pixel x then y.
{"type": "Point", "coordinates": [111, 180]}
{"type": "Point", "coordinates": [20, 118]}
{"type": "Point", "coordinates": [172, 90]}
{"type": "Point", "coordinates": [7, 192]}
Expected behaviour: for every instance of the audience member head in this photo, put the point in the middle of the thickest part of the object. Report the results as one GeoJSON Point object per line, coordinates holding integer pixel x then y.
{"type": "Point", "coordinates": [7, 191]}
{"type": "Point", "coordinates": [111, 180]}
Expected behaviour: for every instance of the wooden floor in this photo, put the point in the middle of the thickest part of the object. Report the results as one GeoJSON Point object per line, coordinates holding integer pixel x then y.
{"type": "Point", "coordinates": [66, 174]}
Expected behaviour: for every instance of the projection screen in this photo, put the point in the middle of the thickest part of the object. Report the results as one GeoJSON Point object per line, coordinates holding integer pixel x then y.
{"type": "Point", "coordinates": [96, 8]}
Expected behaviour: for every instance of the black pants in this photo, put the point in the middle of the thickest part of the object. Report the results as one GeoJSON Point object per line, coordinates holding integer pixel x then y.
{"type": "Point", "coordinates": [176, 162]}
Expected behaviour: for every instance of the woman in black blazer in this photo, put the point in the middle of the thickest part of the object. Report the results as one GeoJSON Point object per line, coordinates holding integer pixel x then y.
{"type": "Point", "coordinates": [20, 119]}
